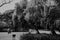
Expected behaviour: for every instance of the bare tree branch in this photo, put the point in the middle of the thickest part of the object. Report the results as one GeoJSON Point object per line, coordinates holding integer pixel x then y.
{"type": "Point", "coordinates": [5, 3]}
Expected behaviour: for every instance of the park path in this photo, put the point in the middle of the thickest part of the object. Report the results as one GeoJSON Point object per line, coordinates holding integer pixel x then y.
{"type": "Point", "coordinates": [6, 36]}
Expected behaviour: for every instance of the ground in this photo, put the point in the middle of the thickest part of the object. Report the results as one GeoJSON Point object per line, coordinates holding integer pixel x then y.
{"type": "Point", "coordinates": [6, 36]}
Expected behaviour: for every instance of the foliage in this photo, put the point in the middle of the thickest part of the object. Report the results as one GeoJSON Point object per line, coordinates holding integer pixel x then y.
{"type": "Point", "coordinates": [6, 18]}
{"type": "Point", "coordinates": [40, 15]}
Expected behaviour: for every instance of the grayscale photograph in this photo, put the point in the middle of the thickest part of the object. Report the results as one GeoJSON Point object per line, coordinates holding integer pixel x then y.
{"type": "Point", "coordinates": [29, 20]}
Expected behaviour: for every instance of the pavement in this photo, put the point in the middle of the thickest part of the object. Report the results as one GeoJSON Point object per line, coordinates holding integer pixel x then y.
{"type": "Point", "coordinates": [6, 36]}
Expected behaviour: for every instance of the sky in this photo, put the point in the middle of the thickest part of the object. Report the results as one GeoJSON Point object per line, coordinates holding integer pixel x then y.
{"type": "Point", "coordinates": [8, 6]}
{"type": "Point", "coordinates": [11, 5]}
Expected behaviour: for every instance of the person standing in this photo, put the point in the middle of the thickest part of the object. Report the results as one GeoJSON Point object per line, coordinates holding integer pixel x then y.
{"type": "Point", "coordinates": [14, 37]}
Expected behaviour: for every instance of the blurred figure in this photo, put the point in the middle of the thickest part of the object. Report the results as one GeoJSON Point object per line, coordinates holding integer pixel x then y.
{"type": "Point", "coordinates": [9, 31]}
{"type": "Point", "coordinates": [14, 37]}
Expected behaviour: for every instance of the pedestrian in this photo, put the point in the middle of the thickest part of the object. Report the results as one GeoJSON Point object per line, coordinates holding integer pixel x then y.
{"type": "Point", "coordinates": [14, 37]}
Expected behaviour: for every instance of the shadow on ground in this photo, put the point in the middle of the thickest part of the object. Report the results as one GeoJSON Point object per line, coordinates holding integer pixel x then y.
{"type": "Point", "coordinates": [40, 37]}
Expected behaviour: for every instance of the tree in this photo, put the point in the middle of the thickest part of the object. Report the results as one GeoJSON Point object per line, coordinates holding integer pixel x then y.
{"type": "Point", "coordinates": [52, 5]}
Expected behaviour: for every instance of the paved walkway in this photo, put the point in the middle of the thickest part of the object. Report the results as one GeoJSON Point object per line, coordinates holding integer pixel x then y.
{"type": "Point", "coordinates": [6, 36]}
